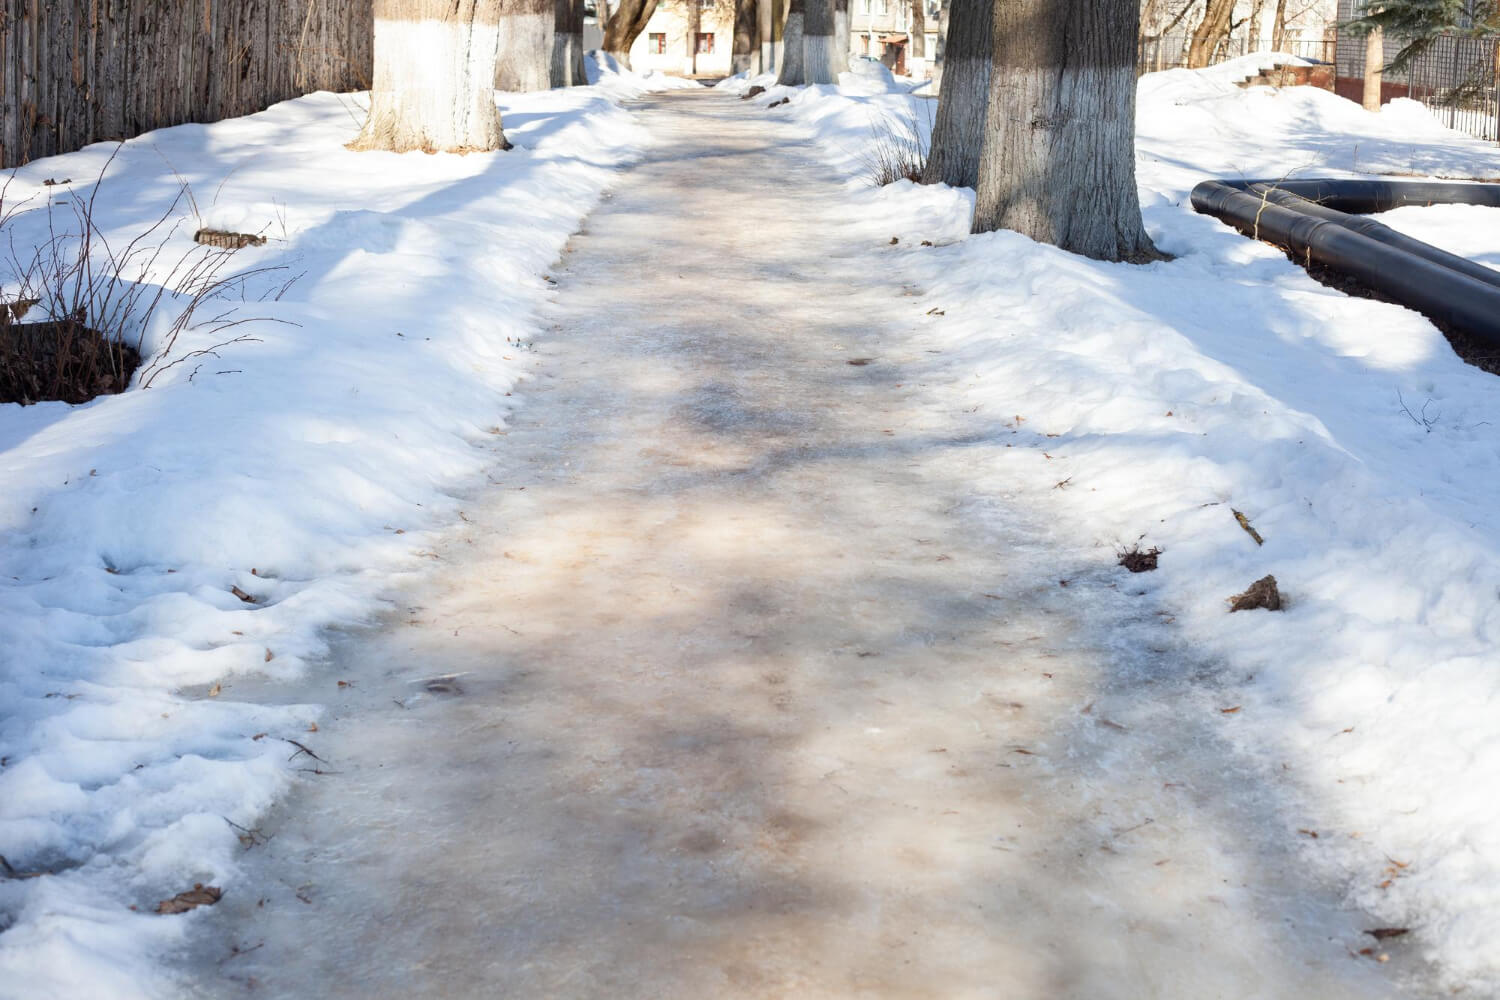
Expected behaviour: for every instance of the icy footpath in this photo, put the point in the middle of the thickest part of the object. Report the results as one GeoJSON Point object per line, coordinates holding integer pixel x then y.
{"type": "Point", "coordinates": [1149, 404]}
{"type": "Point", "coordinates": [303, 468]}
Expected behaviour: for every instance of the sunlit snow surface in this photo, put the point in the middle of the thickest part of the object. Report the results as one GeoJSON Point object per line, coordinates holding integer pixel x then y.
{"type": "Point", "coordinates": [1360, 447]}
{"type": "Point", "coordinates": [305, 467]}
{"type": "Point", "coordinates": [313, 471]}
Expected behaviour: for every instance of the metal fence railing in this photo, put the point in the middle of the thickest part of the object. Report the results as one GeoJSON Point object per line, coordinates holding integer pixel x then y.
{"type": "Point", "coordinates": [1456, 78]}
{"type": "Point", "coordinates": [1170, 51]}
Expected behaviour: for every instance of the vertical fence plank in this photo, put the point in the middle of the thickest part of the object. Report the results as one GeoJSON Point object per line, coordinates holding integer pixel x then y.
{"type": "Point", "coordinates": [79, 71]}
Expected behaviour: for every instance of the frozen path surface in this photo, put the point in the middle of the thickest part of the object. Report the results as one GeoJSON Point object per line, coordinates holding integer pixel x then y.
{"type": "Point", "coordinates": [733, 686]}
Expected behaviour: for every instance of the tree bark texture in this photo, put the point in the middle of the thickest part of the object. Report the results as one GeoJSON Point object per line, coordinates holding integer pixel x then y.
{"type": "Point", "coordinates": [918, 31]}
{"type": "Point", "coordinates": [765, 22]}
{"type": "Point", "coordinates": [1374, 69]}
{"type": "Point", "coordinates": [523, 62]}
{"type": "Point", "coordinates": [74, 72]}
{"type": "Point", "coordinates": [963, 100]}
{"type": "Point", "coordinates": [434, 77]}
{"type": "Point", "coordinates": [1212, 30]}
{"type": "Point", "coordinates": [818, 52]}
{"type": "Point", "coordinates": [1058, 162]}
{"type": "Point", "coordinates": [743, 55]}
{"type": "Point", "coordinates": [840, 36]}
{"type": "Point", "coordinates": [1278, 27]}
{"type": "Point", "coordinates": [940, 56]}
{"type": "Point", "coordinates": [790, 73]}
{"type": "Point", "coordinates": [567, 45]}
{"type": "Point", "coordinates": [625, 26]}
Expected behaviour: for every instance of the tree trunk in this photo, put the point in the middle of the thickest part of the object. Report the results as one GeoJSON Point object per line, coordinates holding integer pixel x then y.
{"type": "Point", "coordinates": [790, 74]}
{"type": "Point", "coordinates": [1058, 163]}
{"type": "Point", "coordinates": [840, 36]}
{"type": "Point", "coordinates": [916, 52]}
{"type": "Point", "coordinates": [1374, 68]}
{"type": "Point", "coordinates": [1212, 30]}
{"type": "Point", "coordinates": [963, 100]}
{"type": "Point", "coordinates": [625, 26]}
{"type": "Point", "coordinates": [1278, 27]}
{"type": "Point", "coordinates": [742, 56]}
{"type": "Point", "coordinates": [817, 41]}
{"type": "Point", "coordinates": [524, 60]}
{"type": "Point", "coordinates": [433, 87]}
{"type": "Point", "coordinates": [765, 21]}
{"type": "Point", "coordinates": [567, 45]}
{"type": "Point", "coordinates": [941, 56]}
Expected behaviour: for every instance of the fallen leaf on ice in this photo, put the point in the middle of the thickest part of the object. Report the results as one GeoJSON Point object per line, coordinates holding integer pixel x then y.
{"type": "Point", "coordinates": [198, 895]}
{"type": "Point", "coordinates": [1381, 933]}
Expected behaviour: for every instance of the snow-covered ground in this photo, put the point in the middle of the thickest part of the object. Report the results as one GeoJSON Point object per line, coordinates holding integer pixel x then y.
{"type": "Point", "coordinates": [1152, 402]}
{"type": "Point", "coordinates": [306, 467]}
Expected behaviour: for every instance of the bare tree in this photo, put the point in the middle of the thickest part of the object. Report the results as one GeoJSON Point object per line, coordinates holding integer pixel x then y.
{"type": "Point", "coordinates": [918, 30]}
{"type": "Point", "coordinates": [841, 28]}
{"type": "Point", "coordinates": [567, 45]}
{"type": "Point", "coordinates": [1058, 162]}
{"type": "Point", "coordinates": [625, 26]}
{"type": "Point", "coordinates": [1211, 31]}
{"type": "Point", "coordinates": [790, 73]}
{"type": "Point", "coordinates": [765, 23]}
{"type": "Point", "coordinates": [1278, 27]}
{"type": "Point", "coordinates": [433, 87]}
{"type": "Point", "coordinates": [963, 100]}
{"type": "Point", "coordinates": [742, 57]}
{"type": "Point", "coordinates": [818, 46]}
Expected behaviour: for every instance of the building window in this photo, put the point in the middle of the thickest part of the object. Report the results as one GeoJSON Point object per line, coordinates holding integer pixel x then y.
{"type": "Point", "coordinates": [658, 43]}
{"type": "Point", "coordinates": [865, 6]}
{"type": "Point", "coordinates": [705, 43]}
{"type": "Point", "coordinates": [706, 4]}
{"type": "Point", "coordinates": [885, 6]}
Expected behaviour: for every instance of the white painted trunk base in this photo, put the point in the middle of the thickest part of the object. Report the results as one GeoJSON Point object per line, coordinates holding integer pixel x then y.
{"type": "Point", "coordinates": [524, 59]}
{"type": "Point", "coordinates": [819, 59]}
{"type": "Point", "coordinates": [433, 88]}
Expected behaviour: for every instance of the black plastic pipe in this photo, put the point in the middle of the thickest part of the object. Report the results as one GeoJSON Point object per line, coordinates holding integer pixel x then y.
{"type": "Point", "coordinates": [1379, 232]}
{"type": "Point", "coordinates": [1361, 197]}
{"type": "Point", "coordinates": [1413, 273]}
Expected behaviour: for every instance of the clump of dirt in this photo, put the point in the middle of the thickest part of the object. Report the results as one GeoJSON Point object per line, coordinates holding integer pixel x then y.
{"type": "Point", "coordinates": [1263, 593]}
{"type": "Point", "coordinates": [1468, 347]}
{"type": "Point", "coordinates": [753, 91]}
{"type": "Point", "coordinates": [61, 360]}
{"type": "Point", "coordinates": [1139, 560]}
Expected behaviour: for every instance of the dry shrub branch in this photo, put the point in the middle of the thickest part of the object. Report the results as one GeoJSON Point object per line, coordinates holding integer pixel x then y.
{"type": "Point", "coordinates": [78, 306]}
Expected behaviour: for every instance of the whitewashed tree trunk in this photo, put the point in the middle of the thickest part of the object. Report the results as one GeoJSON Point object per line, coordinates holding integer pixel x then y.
{"type": "Point", "coordinates": [1374, 69]}
{"type": "Point", "coordinates": [765, 23]}
{"type": "Point", "coordinates": [433, 85]}
{"type": "Point", "coordinates": [963, 100]}
{"type": "Point", "coordinates": [818, 50]}
{"type": "Point", "coordinates": [742, 53]}
{"type": "Point", "coordinates": [840, 36]}
{"type": "Point", "coordinates": [1058, 162]}
{"type": "Point", "coordinates": [790, 73]}
{"type": "Point", "coordinates": [916, 48]}
{"type": "Point", "coordinates": [524, 60]}
{"type": "Point", "coordinates": [567, 45]}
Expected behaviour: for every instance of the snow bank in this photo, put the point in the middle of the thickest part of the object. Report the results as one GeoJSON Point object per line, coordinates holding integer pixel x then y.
{"type": "Point", "coordinates": [303, 466]}
{"type": "Point", "coordinates": [1149, 403]}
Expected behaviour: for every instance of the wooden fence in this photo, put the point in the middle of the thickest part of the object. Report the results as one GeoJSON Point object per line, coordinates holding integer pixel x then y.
{"type": "Point", "coordinates": [74, 72]}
